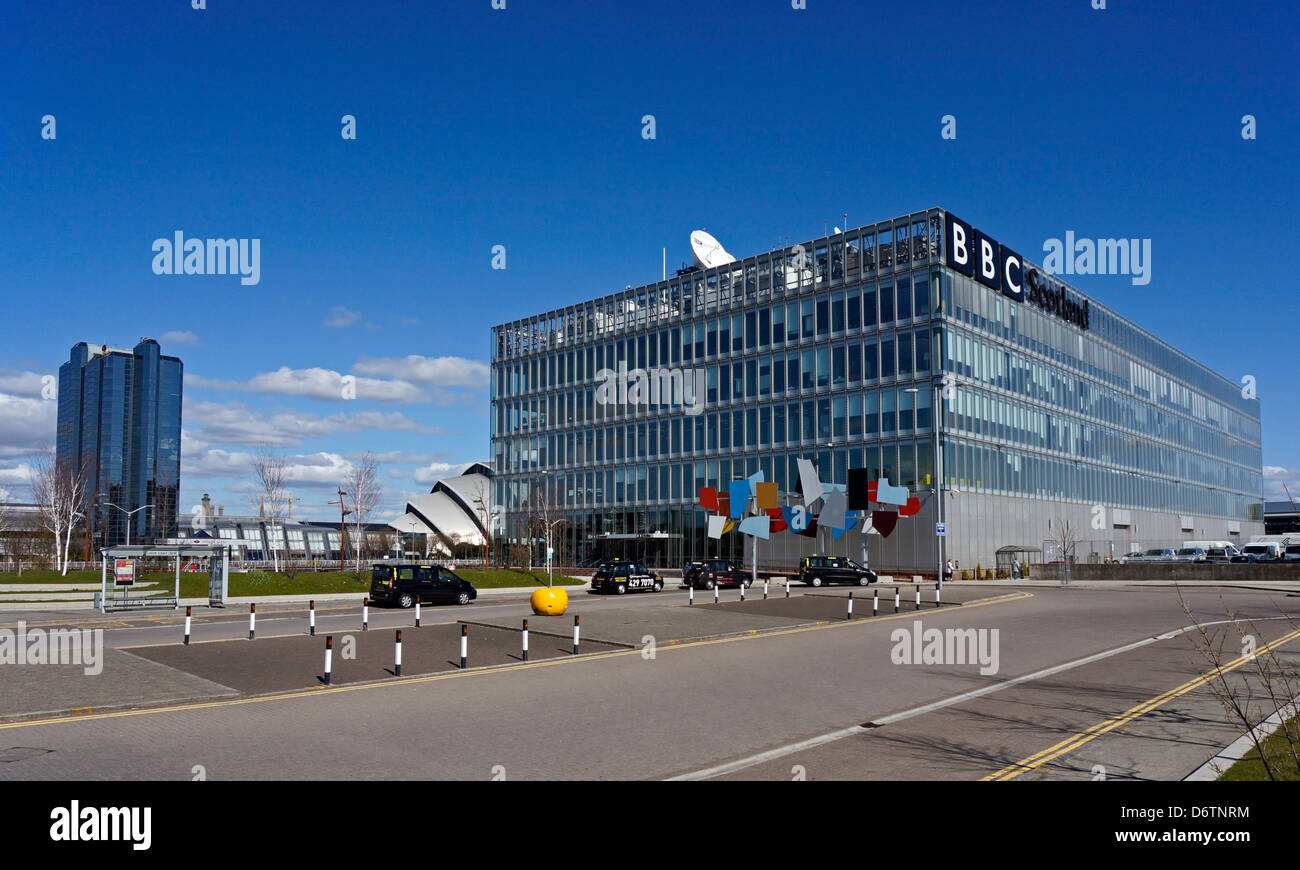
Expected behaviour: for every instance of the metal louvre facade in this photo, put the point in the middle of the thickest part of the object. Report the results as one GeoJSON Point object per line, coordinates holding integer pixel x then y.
{"type": "Point", "coordinates": [839, 350]}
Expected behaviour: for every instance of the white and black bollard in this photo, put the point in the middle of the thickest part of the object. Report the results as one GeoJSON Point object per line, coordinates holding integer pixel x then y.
{"type": "Point", "coordinates": [365, 614]}
{"type": "Point", "coordinates": [849, 614]}
{"type": "Point", "coordinates": [464, 646]}
{"type": "Point", "coordinates": [765, 589]}
{"type": "Point", "coordinates": [577, 620]}
{"type": "Point", "coordinates": [311, 617]}
{"type": "Point", "coordinates": [329, 656]}
{"type": "Point", "coordinates": [187, 625]}
{"type": "Point", "coordinates": [525, 654]}
{"type": "Point", "coordinates": [417, 611]}
{"type": "Point", "coordinates": [918, 596]}
{"type": "Point", "coordinates": [397, 655]}
{"type": "Point", "coordinates": [742, 590]}
{"type": "Point", "coordinates": [787, 587]}
{"type": "Point", "coordinates": [896, 590]}
{"type": "Point", "coordinates": [252, 620]}
{"type": "Point", "coordinates": [875, 602]}
{"type": "Point", "coordinates": [936, 596]}
{"type": "Point", "coordinates": [692, 594]}
{"type": "Point", "coordinates": [715, 593]}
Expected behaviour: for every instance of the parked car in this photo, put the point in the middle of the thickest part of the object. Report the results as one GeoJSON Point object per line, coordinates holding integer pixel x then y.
{"type": "Point", "coordinates": [1292, 553]}
{"type": "Point", "coordinates": [1135, 556]}
{"type": "Point", "coordinates": [1189, 554]}
{"type": "Point", "coordinates": [719, 572]}
{"type": "Point", "coordinates": [1220, 554]}
{"type": "Point", "coordinates": [689, 570]}
{"type": "Point", "coordinates": [824, 570]}
{"type": "Point", "coordinates": [1157, 554]}
{"type": "Point", "coordinates": [621, 577]}
{"type": "Point", "coordinates": [1259, 553]}
{"type": "Point", "coordinates": [403, 584]}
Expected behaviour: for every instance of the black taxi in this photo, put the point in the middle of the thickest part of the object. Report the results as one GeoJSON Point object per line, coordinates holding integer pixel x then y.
{"type": "Point", "coordinates": [404, 583]}
{"type": "Point", "coordinates": [621, 577]}
{"type": "Point", "coordinates": [820, 570]}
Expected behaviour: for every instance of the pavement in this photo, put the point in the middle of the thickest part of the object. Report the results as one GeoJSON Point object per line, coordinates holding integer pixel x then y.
{"type": "Point", "coordinates": [1089, 683]}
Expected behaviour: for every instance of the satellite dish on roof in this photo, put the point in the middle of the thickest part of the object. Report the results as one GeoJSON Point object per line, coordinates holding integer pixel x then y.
{"type": "Point", "coordinates": [708, 251]}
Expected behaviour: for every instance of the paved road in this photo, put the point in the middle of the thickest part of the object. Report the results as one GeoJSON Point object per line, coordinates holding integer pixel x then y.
{"type": "Point", "coordinates": [738, 707]}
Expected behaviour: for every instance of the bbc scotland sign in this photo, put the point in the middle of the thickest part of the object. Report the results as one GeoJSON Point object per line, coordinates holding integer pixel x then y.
{"type": "Point", "coordinates": [996, 266]}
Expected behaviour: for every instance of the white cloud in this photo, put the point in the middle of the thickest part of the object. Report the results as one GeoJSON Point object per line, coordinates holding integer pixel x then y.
{"type": "Point", "coordinates": [317, 383]}
{"type": "Point", "coordinates": [26, 384]}
{"type": "Point", "coordinates": [179, 337]}
{"type": "Point", "coordinates": [20, 474]}
{"type": "Point", "coordinates": [436, 471]}
{"type": "Point", "coordinates": [1275, 476]}
{"type": "Point", "coordinates": [341, 317]}
{"type": "Point", "coordinates": [237, 424]}
{"type": "Point", "coordinates": [26, 424]}
{"type": "Point", "coordinates": [443, 371]}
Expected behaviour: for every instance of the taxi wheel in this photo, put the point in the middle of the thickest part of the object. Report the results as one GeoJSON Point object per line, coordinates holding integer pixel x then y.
{"type": "Point", "coordinates": [659, 586]}
{"type": "Point", "coordinates": [463, 598]}
{"type": "Point", "coordinates": [708, 584]}
{"type": "Point", "coordinates": [864, 580]}
{"type": "Point", "coordinates": [814, 581]}
{"type": "Point", "coordinates": [406, 600]}
{"type": "Point", "coordinates": [620, 589]}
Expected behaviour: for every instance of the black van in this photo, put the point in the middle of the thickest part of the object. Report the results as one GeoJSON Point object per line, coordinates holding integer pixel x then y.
{"type": "Point", "coordinates": [403, 583]}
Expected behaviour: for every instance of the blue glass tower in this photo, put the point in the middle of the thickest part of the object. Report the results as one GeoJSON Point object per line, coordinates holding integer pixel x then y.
{"type": "Point", "coordinates": [120, 419]}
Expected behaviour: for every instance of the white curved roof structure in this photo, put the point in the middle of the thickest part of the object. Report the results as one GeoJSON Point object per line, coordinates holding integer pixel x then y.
{"type": "Point", "coordinates": [453, 510]}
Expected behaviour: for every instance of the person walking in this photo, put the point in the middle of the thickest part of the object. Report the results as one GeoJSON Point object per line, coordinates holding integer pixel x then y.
{"type": "Point", "coordinates": [947, 571]}
{"type": "Point", "coordinates": [1015, 568]}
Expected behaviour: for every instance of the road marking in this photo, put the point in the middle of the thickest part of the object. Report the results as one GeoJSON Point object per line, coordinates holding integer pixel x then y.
{"type": "Point", "coordinates": [812, 742]}
{"type": "Point", "coordinates": [316, 691]}
{"type": "Point", "coordinates": [1074, 742]}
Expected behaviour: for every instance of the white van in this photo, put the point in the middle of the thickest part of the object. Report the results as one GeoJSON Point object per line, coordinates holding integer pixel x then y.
{"type": "Point", "coordinates": [1209, 545]}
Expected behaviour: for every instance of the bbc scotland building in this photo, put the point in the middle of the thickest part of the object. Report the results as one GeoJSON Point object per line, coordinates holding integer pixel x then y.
{"type": "Point", "coordinates": [919, 348]}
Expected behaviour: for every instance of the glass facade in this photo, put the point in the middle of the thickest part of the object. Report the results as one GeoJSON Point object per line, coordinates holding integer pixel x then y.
{"type": "Point", "coordinates": [839, 350]}
{"type": "Point", "coordinates": [120, 417]}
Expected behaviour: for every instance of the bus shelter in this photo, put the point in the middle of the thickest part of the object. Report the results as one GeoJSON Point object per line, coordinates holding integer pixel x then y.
{"type": "Point", "coordinates": [119, 563]}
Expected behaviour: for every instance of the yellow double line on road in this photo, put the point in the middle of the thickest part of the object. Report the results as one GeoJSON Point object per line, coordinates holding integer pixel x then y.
{"type": "Point", "coordinates": [1074, 742]}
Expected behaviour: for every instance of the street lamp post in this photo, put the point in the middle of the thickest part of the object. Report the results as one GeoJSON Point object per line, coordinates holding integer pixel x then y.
{"type": "Point", "coordinates": [936, 416]}
{"type": "Point", "coordinates": [129, 514]}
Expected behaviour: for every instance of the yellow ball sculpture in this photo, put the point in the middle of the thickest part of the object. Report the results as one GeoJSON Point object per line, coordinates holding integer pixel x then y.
{"type": "Point", "coordinates": [550, 601]}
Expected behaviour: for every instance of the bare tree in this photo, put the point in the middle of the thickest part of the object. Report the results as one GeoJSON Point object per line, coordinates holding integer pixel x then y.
{"type": "Point", "coordinates": [59, 490]}
{"type": "Point", "coordinates": [363, 484]}
{"type": "Point", "coordinates": [271, 471]}
{"type": "Point", "coordinates": [8, 528]}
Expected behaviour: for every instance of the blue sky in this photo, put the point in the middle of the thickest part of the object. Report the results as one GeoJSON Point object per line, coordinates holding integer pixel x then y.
{"type": "Point", "coordinates": [522, 128]}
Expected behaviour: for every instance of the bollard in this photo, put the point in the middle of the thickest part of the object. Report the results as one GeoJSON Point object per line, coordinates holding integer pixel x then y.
{"type": "Point", "coordinates": [896, 588]}
{"type": "Point", "coordinates": [311, 616]}
{"type": "Point", "coordinates": [715, 593]}
{"type": "Point", "coordinates": [576, 620]}
{"type": "Point", "coordinates": [875, 603]}
{"type": "Point", "coordinates": [742, 590]}
{"type": "Point", "coordinates": [765, 589]}
{"type": "Point", "coordinates": [187, 625]}
{"type": "Point", "coordinates": [252, 620]}
{"type": "Point", "coordinates": [787, 587]}
{"type": "Point", "coordinates": [329, 656]}
{"type": "Point", "coordinates": [918, 596]}
{"type": "Point", "coordinates": [692, 594]}
{"type": "Point", "coordinates": [397, 655]}
{"type": "Point", "coordinates": [417, 611]}
{"type": "Point", "coordinates": [849, 615]}
{"type": "Point", "coordinates": [525, 640]}
{"type": "Point", "coordinates": [365, 614]}
{"type": "Point", "coordinates": [936, 596]}
{"type": "Point", "coordinates": [464, 646]}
